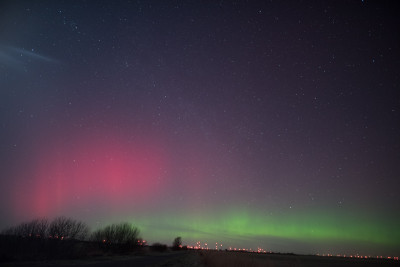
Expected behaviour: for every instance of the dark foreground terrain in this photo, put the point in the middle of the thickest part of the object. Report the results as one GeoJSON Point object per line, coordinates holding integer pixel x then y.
{"type": "Point", "coordinates": [223, 258]}
{"type": "Point", "coordinates": [207, 258]}
{"type": "Point", "coordinates": [170, 258]}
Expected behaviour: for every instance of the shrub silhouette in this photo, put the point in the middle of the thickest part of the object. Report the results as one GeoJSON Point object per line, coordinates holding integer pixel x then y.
{"type": "Point", "coordinates": [117, 236]}
{"type": "Point", "coordinates": [67, 228]}
{"type": "Point", "coordinates": [177, 244]}
{"type": "Point", "coordinates": [37, 228]}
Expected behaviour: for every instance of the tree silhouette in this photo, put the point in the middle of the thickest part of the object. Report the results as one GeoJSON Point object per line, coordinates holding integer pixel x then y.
{"type": "Point", "coordinates": [37, 228]}
{"type": "Point", "coordinates": [177, 243]}
{"type": "Point", "coordinates": [62, 228]}
{"type": "Point", "coordinates": [119, 236]}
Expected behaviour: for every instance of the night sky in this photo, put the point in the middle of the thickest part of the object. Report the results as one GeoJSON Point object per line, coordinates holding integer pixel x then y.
{"type": "Point", "coordinates": [270, 124]}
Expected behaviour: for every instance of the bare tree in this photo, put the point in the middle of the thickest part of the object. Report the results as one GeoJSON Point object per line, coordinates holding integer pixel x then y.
{"type": "Point", "coordinates": [42, 228]}
{"type": "Point", "coordinates": [36, 228]}
{"type": "Point", "coordinates": [59, 228]}
{"type": "Point", "coordinates": [79, 230]}
{"type": "Point", "coordinates": [62, 227]}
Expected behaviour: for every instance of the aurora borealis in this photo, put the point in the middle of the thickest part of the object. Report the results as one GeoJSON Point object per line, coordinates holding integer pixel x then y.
{"type": "Point", "coordinates": [250, 123]}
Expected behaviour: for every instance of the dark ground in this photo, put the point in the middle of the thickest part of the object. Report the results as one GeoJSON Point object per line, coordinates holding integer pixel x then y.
{"type": "Point", "coordinates": [177, 258]}
{"type": "Point", "coordinates": [210, 258]}
{"type": "Point", "coordinates": [282, 260]}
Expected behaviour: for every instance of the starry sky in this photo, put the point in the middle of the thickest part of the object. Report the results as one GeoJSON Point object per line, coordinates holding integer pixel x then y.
{"type": "Point", "coordinates": [270, 124]}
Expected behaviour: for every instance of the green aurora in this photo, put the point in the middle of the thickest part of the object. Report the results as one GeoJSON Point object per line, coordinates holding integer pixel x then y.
{"type": "Point", "coordinates": [250, 230]}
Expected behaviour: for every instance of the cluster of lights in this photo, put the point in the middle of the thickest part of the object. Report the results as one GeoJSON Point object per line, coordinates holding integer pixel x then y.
{"type": "Point", "coordinates": [37, 236]}
{"type": "Point", "coordinates": [218, 246]}
{"type": "Point", "coordinates": [357, 256]}
{"type": "Point", "coordinates": [259, 250]}
{"type": "Point", "coordinates": [142, 242]}
{"type": "Point", "coordinates": [199, 246]}
{"type": "Point", "coordinates": [58, 237]}
{"type": "Point", "coordinates": [204, 246]}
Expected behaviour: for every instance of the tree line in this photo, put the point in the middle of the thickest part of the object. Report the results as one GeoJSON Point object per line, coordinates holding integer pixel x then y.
{"type": "Point", "coordinates": [59, 228]}
{"type": "Point", "coordinates": [64, 228]}
{"type": "Point", "coordinates": [65, 237]}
